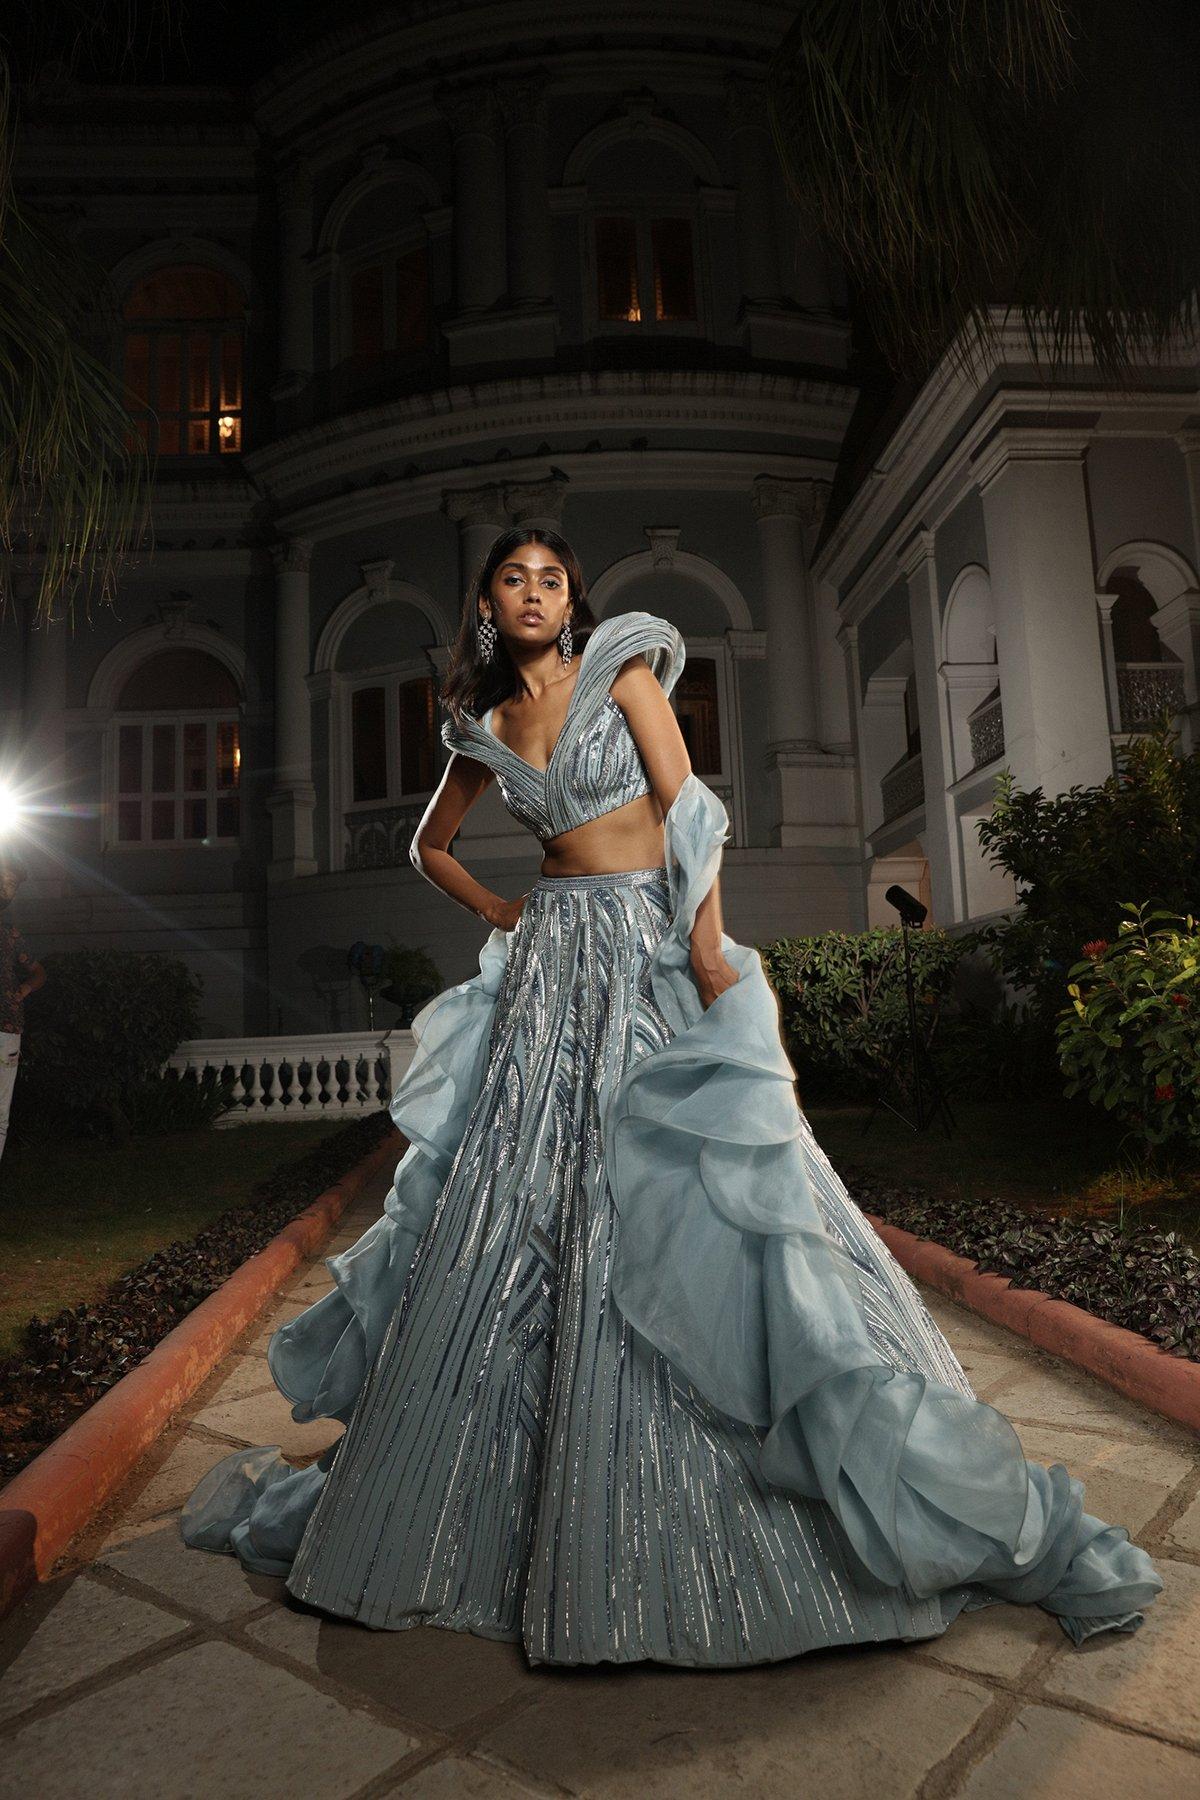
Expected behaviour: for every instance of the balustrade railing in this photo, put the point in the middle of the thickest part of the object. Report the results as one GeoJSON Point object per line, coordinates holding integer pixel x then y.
{"type": "Point", "coordinates": [378, 837]}
{"type": "Point", "coordinates": [1145, 688]}
{"type": "Point", "coordinates": [985, 727]}
{"type": "Point", "coordinates": [336, 1074]}
{"type": "Point", "coordinates": [903, 788]}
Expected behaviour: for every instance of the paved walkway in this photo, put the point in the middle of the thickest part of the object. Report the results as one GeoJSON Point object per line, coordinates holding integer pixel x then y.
{"type": "Point", "coordinates": [147, 1669]}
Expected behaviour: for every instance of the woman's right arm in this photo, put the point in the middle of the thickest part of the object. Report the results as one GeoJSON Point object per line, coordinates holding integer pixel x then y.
{"type": "Point", "coordinates": [461, 785]}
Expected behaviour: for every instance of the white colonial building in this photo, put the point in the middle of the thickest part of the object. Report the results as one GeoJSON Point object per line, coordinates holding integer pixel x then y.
{"type": "Point", "coordinates": [440, 275]}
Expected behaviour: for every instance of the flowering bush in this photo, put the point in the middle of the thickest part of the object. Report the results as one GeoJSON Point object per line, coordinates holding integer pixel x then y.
{"type": "Point", "coordinates": [1131, 1034]}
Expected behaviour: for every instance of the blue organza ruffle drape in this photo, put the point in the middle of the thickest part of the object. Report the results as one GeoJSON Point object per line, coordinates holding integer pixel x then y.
{"type": "Point", "coordinates": [725, 1264]}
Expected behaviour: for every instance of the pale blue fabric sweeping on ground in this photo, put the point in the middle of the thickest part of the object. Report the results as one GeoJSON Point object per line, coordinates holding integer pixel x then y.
{"type": "Point", "coordinates": [626, 1373]}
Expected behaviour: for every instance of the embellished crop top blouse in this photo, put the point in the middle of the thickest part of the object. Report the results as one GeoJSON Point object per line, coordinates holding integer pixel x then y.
{"type": "Point", "coordinates": [595, 765]}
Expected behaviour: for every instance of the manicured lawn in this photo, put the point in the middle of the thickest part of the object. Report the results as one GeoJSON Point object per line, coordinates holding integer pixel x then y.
{"type": "Point", "coordinates": [1043, 1155]}
{"type": "Point", "coordinates": [74, 1216]}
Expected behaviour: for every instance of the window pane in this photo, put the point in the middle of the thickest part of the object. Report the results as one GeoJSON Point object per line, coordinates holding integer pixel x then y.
{"type": "Point", "coordinates": [197, 437]}
{"type": "Point", "coordinates": [674, 273]}
{"type": "Point", "coordinates": [129, 822]}
{"type": "Point", "coordinates": [231, 371]}
{"type": "Point", "coordinates": [129, 759]}
{"type": "Point", "coordinates": [369, 744]}
{"type": "Point", "coordinates": [169, 362]}
{"type": "Point", "coordinates": [137, 368]}
{"type": "Point", "coordinates": [616, 269]}
{"type": "Point", "coordinates": [412, 299]}
{"type": "Point", "coordinates": [195, 758]}
{"type": "Point", "coordinates": [162, 760]}
{"type": "Point", "coordinates": [162, 820]}
{"type": "Point", "coordinates": [417, 716]}
{"type": "Point", "coordinates": [699, 715]}
{"type": "Point", "coordinates": [227, 817]}
{"type": "Point", "coordinates": [195, 817]}
{"type": "Point", "coordinates": [366, 312]}
{"type": "Point", "coordinates": [229, 755]}
{"type": "Point", "coordinates": [199, 371]}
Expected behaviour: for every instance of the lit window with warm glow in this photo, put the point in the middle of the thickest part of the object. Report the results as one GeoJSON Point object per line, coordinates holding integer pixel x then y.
{"type": "Point", "coordinates": [645, 269]}
{"type": "Point", "coordinates": [184, 338]}
{"type": "Point", "coordinates": [176, 762]}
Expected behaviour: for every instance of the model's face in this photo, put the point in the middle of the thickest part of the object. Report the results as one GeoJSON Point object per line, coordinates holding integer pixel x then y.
{"type": "Point", "coordinates": [529, 596]}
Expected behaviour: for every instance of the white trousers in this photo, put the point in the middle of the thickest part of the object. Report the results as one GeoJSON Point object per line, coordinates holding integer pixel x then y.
{"type": "Point", "coordinates": [10, 1049]}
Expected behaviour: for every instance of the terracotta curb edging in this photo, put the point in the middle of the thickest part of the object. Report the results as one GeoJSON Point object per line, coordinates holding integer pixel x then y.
{"type": "Point", "coordinates": [51, 1500]}
{"type": "Point", "coordinates": [1124, 1359]}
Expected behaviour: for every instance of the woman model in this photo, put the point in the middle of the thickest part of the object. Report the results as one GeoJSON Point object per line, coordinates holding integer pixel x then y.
{"type": "Point", "coordinates": [625, 1372]}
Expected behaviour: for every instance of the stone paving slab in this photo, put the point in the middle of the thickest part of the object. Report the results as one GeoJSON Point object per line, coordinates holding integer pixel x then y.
{"type": "Point", "coordinates": [147, 1669]}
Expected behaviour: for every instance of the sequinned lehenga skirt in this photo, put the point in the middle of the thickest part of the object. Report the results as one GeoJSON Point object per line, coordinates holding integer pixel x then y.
{"type": "Point", "coordinates": [523, 1461]}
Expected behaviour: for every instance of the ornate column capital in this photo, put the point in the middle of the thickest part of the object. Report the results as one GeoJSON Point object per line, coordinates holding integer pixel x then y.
{"type": "Point", "coordinates": [292, 556]}
{"type": "Point", "coordinates": [772, 497]}
{"type": "Point", "coordinates": [523, 102]}
{"type": "Point", "coordinates": [475, 506]}
{"type": "Point", "coordinates": [541, 499]}
{"type": "Point", "coordinates": [294, 185]}
{"type": "Point", "coordinates": [470, 110]}
{"type": "Point", "coordinates": [746, 104]}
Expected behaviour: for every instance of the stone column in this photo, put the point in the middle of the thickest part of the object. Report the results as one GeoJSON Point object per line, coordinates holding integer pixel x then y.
{"type": "Point", "coordinates": [294, 199]}
{"type": "Point", "coordinates": [480, 235]}
{"type": "Point", "coordinates": [1048, 644]}
{"type": "Point", "coordinates": [480, 516]}
{"type": "Point", "coordinates": [750, 133]}
{"type": "Point", "coordinates": [537, 502]}
{"type": "Point", "coordinates": [293, 798]}
{"type": "Point", "coordinates": [780, 509]}
{"type": "Point", "coordinates": [1105, 603]}
{"type": "Point", "coordinates": [937, 751]}
{"type": "Point", "coordinates": [522, 106]}
{"type": "Point", "coordinates": [1177, 622]}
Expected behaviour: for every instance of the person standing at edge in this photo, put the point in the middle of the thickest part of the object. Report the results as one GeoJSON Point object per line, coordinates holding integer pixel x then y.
{"type": "Point", "coordinates": [20, 976]}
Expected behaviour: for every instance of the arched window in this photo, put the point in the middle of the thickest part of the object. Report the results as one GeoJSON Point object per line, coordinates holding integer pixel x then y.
{"type": "Point", "coordinates": [177, 764]}
{"type": "Point", "coordinates": [184, 350]}
{"type": "Point", "coordinates": [698, 712]}
{"type": "Point", "coordinates": [1135, 636]}
{"type": "Point", "coordinates": [642, 227]}
{"type": "Point", "coordinates": [393, 739]}
{"type": "Point", "coordinates": [383, 252]}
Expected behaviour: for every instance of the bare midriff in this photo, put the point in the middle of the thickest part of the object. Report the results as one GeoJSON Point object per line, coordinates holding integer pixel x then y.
{"type": "Point", "coordinates": [628, 837]}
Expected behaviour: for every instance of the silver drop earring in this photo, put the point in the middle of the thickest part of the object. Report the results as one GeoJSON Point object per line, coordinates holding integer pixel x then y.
{"type": "Point", "coordinates": [564, 642]}
{"type": "Point", "coordinates": [487, 639]}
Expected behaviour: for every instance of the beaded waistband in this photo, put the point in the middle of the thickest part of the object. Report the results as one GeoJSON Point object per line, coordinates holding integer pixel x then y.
{"type": "Point", "coordinates": [605, 878]}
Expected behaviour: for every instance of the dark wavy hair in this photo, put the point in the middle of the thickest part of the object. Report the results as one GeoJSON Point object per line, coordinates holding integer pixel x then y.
{"type": "Point", "coordinates": [473, 685]}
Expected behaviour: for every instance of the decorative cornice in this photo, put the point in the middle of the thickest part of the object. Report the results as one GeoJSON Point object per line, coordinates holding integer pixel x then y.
{"type": "Point", "coordinates": [805, 499]}
{"type": "Point", "coordinates": [376, 575]}
{"type": "Point", "coordinates": [522, 102]}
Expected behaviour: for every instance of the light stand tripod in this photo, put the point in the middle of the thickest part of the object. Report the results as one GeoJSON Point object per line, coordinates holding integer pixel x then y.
{"type": "Point", "coordinates": [928, 1098]}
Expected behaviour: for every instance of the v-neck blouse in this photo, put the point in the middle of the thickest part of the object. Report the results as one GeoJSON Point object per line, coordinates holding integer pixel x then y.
{"type": "Point", "coordinates": [595, 765]}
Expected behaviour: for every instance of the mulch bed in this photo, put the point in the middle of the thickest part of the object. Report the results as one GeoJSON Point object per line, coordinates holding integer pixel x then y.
{"type": "Point", "coordinates": [1141, 1277]}
{"type": "Point", "coordinates": [67, 1362]}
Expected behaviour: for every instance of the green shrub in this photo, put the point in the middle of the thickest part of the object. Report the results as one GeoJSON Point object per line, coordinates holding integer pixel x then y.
{"type": "Point", "coordinates": [843, 1003]}
{"type": "Point", "coordinates": [96, 1038]}
{"type": "Point", "coordinates": [1130, 1036]}
{"type": "Point", "coordinates": [1076, 857]}
{"type": "Point", "coordinates": [174, 1102]}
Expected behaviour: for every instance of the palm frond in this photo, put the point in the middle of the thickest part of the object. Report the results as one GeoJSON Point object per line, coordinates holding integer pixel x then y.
{"type": "Point", "coordinates": [1031, 156]}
